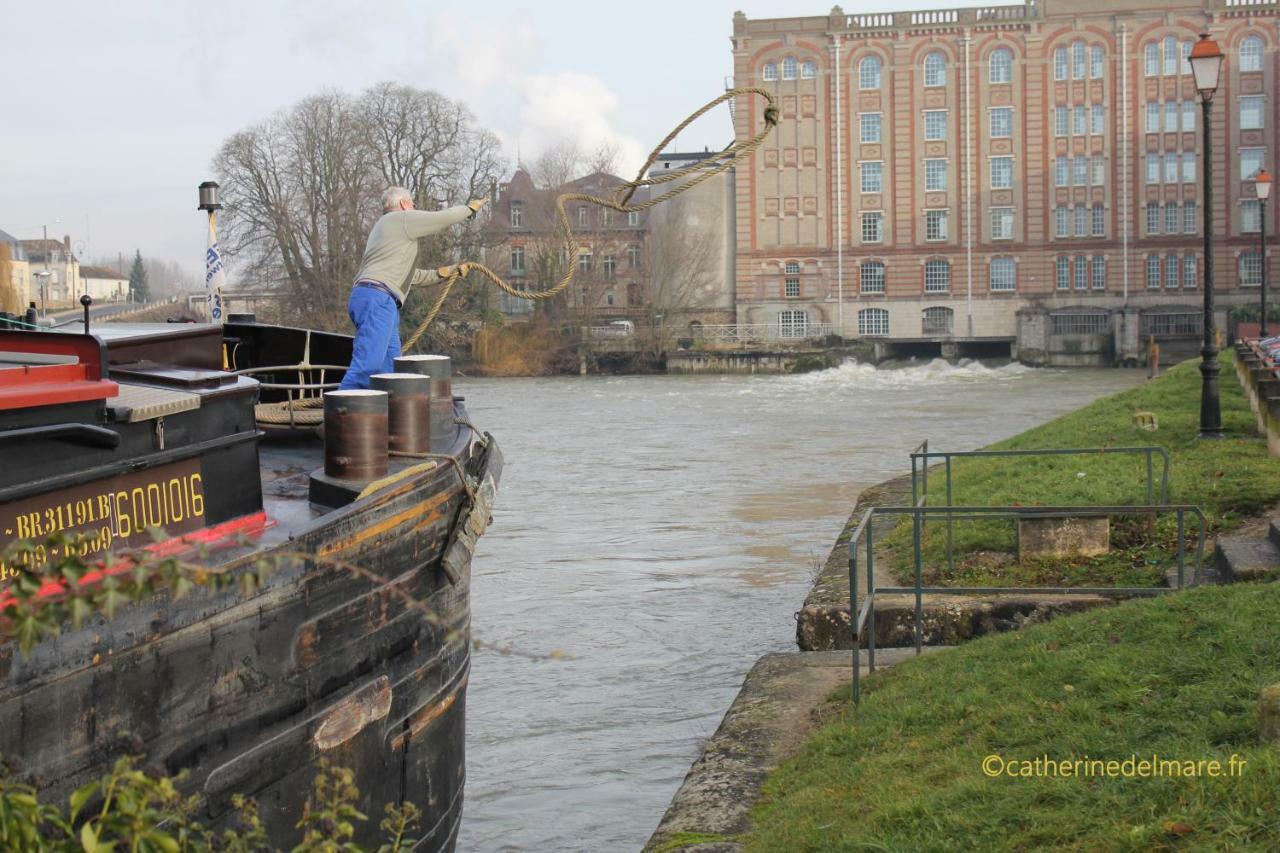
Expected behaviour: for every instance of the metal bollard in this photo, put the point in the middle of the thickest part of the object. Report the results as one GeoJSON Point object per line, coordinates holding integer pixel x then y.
{"type": "Point", "coordinates": [440, 369]}
{"type": "Point", "coordinates": [408, 410]}
{"type": "Point", "coordinates": [355, 434]}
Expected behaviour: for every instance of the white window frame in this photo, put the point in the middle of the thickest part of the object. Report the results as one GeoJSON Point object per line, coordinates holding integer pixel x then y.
{"type": "Point", "coordinates": [1000, 66]}
{"type": "Point", "coordinates": [1251, 58]}
{"type": "Point", "coordinates": [936, 222]}
{"type": "Point", "coordinates": [935, 69]}
{"type": "Point", "coordinates": [1005, 131]}
{"type": "Point", "coordinates": [867, 67]}
{"type": "Point", "coordinates": [1098, 272]}
{"type": "Point", "coordinates": [931, 171]}
{"type": "Point", "coordinates": [1061, 64]}
{"type": "Point", "coordinates": [808, 69]}
{"type": "Point", "coordinates": [1151, 59]}
{"type": "Point", "coordinates": [1062, 273]}
{"type": "Point", "coordinates": [793, 324]}
{"type": "Point", "coordinates": [1249, 264]}
{"type": "Point", "coordinates": [998, 164]}
{"type": "Point", "coordinates": [1003, 275]}
{"type": "Point", "coordinates": [1061, 221]}
{"type": "Point", "coordinates": [871, 276]}
{"type": "Point", "coordinates": [1098, 220]}
{"type": "Point", "coordinates": [871, 176]}
{"type": "Point", "coordinates": [789, 67]}
{"type": "Point", "coordinates": [791, 288]}
{"type": "Point", "coordinates": [873, 323]}
{"type": "Point", "coordinates": [937, 276]}
{"type": "Point", "coordinates": [1190, 222]}
{"type": "Point", "coordinates": [1246, 156]}
{"type": "Point", "coordinates": [1153, 272]}
{"type": "Point", "coordinates": [930, 122]}
{"type": "Point", "coordinates": [1250, 216]}
{"type": "Point", "coordinates": [1097, 62]}
{"type": "Point", "coordinates": [875, 218]}
{"type": "Point", "coordinates": [770, 72]}
{"type": "Point", "coordinates": [517, 214]}
{"type": "Point", "coordinates": [1002, 223]}
{"type": "Point", "coordinates": [1097, 120]}
{"type": "Point", "coordinates": [864, 125]}
{"type": "Point", "coordinates": [1255, 118]}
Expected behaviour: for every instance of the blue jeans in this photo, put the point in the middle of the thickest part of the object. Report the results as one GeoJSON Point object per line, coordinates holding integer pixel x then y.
{"type": "Point", "coordinates": [377, 344]}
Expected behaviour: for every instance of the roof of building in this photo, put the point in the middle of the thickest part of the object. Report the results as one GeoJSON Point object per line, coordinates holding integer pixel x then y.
{"type": "Point", "coordinates": [17, 252]}
{"type": "Point", "coordinates": [101, 272]}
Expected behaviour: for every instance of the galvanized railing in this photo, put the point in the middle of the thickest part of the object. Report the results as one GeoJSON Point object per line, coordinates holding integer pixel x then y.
{"type": "Point", "coordinates": [864, 618]}
{"type": "Point", "coordinates": [920, 472]}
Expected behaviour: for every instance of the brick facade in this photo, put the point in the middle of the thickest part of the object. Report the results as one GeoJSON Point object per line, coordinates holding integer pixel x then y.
{"type": "Point", "coordinates": [992, 159]}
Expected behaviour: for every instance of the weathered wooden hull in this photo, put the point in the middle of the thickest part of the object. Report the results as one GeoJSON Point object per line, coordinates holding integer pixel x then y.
{"type": "Point", "coordinates": [247, 694]}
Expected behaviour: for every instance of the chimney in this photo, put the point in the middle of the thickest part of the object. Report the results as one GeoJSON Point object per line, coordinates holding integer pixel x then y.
{"type": "Point", "coordinates": [66, 243]}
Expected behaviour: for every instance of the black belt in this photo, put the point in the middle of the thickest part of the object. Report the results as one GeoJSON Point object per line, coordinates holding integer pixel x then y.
{"type": "Point", "coordinates": [377, 285]}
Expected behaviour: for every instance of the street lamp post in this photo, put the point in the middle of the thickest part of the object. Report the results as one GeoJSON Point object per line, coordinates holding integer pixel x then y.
{"type": "Point", "coordinates": [1206, 68]}
{"type": "Point", "coordinates": [1262, 189]}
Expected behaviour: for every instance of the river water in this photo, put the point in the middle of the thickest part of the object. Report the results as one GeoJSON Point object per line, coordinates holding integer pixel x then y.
{"type": "Point", "coordinates": [660, 532]}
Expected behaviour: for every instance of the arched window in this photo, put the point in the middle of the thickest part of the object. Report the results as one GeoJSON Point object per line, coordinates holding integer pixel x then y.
{"type": "Point", "coordinates": [871, 277]}
{"type": "Point", "coordinates": [1095, 61]}
{"type": "Point", "coordinates": [869, 73]}
{"type": "Point", "coordinates": [1172, 53]}
{"type": "Point", "coordinates": [770, 71]}
{"type": "Point", "coordinates": [1077, 60]}
{"type": "Point", "coordinates": [789, 68]}
{"type": "Point", "coordinates": [937, 321]}
{"type": "Point", "coordinates": [937, 276]}
{"type": "Point", "coordinates": [1251, 54]}
{"type": "Point", "coordinates": [1060, 63]}
{"type": "Point", "coordinates": [808, 69]}
{"type": "Point", "coordinates": [1151, 59]}
{"type": "Point", "coordinates": [873, 322]}
{"type": "Point", "coordinates": [935, 70]}
{"type": "Point", "coordinates": [1001, 68]}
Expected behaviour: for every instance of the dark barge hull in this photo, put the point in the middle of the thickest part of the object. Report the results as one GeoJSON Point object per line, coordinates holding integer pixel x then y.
{"type": "Point", "coordinates": [248, 693]}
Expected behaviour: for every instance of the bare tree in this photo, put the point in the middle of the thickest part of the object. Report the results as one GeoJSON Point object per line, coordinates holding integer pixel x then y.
{"type": "Point", "coordinates": [686, 273]}
{"type": "Point", "coordinates": [302, 188]}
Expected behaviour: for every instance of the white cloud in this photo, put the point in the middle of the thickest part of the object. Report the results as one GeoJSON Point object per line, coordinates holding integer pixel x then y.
{"type": "Point", "coordinates": [578, 107]}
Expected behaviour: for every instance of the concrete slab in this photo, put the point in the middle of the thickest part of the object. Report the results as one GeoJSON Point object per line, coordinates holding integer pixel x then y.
{"type": "Point", "coordinates": [784, 698]}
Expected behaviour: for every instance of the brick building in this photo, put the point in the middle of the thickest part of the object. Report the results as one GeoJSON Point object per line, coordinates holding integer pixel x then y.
{"type": "Point", "coordinates": [1025, 175]}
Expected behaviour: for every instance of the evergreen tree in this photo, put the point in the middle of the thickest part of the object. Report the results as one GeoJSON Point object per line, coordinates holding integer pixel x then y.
{"type": "Point", "coordinates": [138, 279]}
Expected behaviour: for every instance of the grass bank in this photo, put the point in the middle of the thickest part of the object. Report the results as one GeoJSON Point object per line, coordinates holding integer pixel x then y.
{"type": "Point", "coordinates": [1228, 479]}
{"type": "Point", "coordinates": [1177, 677]}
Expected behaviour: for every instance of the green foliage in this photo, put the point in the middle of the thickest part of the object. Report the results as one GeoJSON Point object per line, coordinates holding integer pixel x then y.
{"type": "Point", "coordinates": [1177, 676]}
{"type": "Point", "coordinates": [1228, 479]}
{"type": "Point", "coordinates": [138, 279]}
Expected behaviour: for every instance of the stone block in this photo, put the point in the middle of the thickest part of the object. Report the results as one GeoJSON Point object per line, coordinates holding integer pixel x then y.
{"type": "Point", "coordinates": [1061, 536]}
{"type": "Point", "coordinates": [1269, 714]}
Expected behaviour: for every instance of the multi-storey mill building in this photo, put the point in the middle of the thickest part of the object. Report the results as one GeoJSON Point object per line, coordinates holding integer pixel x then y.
{"type": "Point", "coordinates": [972, 179]}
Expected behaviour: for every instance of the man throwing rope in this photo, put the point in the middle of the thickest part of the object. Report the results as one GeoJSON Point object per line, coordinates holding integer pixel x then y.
{"type": "Point", "coordinates": [385, 277]}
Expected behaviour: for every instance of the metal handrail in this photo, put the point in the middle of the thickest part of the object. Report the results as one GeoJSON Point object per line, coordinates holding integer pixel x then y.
{"type": "Point", "coordinates": [863, 534]}
{"type": "Point", "coordinates": [924, 455]}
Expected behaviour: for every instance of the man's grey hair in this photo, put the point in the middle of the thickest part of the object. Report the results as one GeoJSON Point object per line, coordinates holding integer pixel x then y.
{"type": "Point", "coordinates": [393, 196]}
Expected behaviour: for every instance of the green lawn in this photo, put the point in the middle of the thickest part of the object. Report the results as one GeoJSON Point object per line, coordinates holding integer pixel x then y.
{"type": "Point", "coordinates": [1227, 479]}
{"type": "Point", "coordinates": [1177, 676]}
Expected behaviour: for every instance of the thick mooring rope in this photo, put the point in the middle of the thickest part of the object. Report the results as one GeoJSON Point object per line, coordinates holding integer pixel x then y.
{"type": "Point", "coordinates": [620, 201]}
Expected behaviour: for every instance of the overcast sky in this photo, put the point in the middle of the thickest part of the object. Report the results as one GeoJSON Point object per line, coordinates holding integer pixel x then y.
{"type": "Point", "coordinates": [113, 111]}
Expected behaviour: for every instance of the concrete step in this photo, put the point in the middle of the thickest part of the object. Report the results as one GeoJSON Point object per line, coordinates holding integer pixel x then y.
{"type": "Point", "coordinates": [1247, 556]}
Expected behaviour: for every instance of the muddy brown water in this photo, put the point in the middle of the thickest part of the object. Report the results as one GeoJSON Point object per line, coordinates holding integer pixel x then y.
{"type": "Point", "coordinates": [661, 532]}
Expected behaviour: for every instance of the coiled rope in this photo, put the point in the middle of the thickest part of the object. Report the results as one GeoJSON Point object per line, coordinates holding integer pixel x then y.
{"type": "Point", "coordinates": [620, 201]}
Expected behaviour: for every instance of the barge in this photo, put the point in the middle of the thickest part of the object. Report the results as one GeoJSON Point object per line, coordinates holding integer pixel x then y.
{"type": "Point", "coordinates": [353, 649]}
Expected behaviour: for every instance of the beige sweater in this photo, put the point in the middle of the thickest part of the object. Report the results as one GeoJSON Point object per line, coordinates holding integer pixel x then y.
{"type": "Point", "coordinates": [393, 246]}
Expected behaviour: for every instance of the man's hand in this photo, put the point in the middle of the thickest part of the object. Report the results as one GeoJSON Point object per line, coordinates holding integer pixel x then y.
{"type": "Point", "coordinates": [461, 270]}
{"type": "Point", "coordinates": [475, 204]}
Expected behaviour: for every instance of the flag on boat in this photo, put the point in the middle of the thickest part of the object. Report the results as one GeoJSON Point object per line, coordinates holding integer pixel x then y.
{"type": "Point", "coordinates": [215, 276]}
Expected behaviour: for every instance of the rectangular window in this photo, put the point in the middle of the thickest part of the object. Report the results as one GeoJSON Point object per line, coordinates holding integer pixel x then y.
{"type": "Point", "coordinates": [1077, 60]}
{"type": "Point", "coordinates": [1099, 221]}
{"type": "Point", "coordinates": [1003, 274]}
{"type": "Point", "coordinates": [793, 324]}
{"type": "Point", "coordinates": [792, 287]}
{"type": "Point", "coordinates": [1099, 272]}
{"type": "Point", "coordinates": [1188, 116]}
{"type": "Point", "coordinates": [1153, 272]}
{"type": "Point", "coordinates": [609, 266]}
{"type": "Point", "coordinates": [1098, 166]}
{"type": "Point", "coordinates": [1250, 218]}
{"type": "Point", "coordinates": [935, 224]}
{"type": "Point", "coordinates": [1082, 273]}
{"type": "Point", "coordinates": [1002, 223]}
{"type": "Point", "coordinates": [1098, 120]}
{"type": "Point", "coordinates": [1060, 119]}
{"type": "Point", "coordinates": [1060, 64]}
{"type": "Point", "coordinates": [937, 277]}
{"type": "Point", "coordinates": [1171, 167]}
{"type": "Point", "coordinates": [1153, 217]}
{"type": "Point", "coordinates": [1171, 220]}
{"type": "Point", "coordinates": [869, 127]}
{"type": "Point", "coordinates": [1078, 127]}
{"type": "Point", "coordinates": [935, 124]}
{"type": "Point", "coordinates": [1063, 273]}
{"type": "Point", "coordinates": [606, 217]}
{"type": "Point", "coordinates": [633, 257]}
{"type": "Point", "coordinates": [1189, 211]}
{"type": "Point", "coordinates": [791, 268]}
{"type": "Point", "coordinates": [1250, 162]}
{"type": "Point", "coordinates": [1153, 168]}
{"type": "Point", "coordinates": [517, 214]}
{"type": "Point", "coordinates": [1082, 220]}
{"type": "Point", "coordinates": [1251, 107]}
{"type": "Point", "coordinates": [517, 261]}
{"type": "Point", "coordinates": [1189, 272]}
{"type": "Point", "coordinates": [1171, 114]}
{"type": "Point", "coordinates": [1002, 122]}
{"type": "Point", "coordinates": [1001, 173]}
{"type": "Point", "coordinates": [1061, 178]}
{"type": "Point", "coordinates": [1061, 222]}
{"type": "Point", "coordinates": [633, 218]}
{"type": "Point", "coordinates": [935, 175]}
{"type": "Point", "coordinates": [871, 276]}
{"type": "Point", "coordinates": [1188, 167]}
{"type": "Point", "coordinates": [1171, 270]}
{"type": "Point", "coordinates": [1151, 59]}
{"type": "Point", "coordinates": [1080, 171]}
{"type": "Point", "coordinates": [873, 227]}
{"type": "Point", "coordinates": [1095, 61]}
{"type": "Point", "coordinates": [584, 260]}
{"type": "Point", "coordinates": [1251, 269]}
{"type": "Point", "coordinates": [872, 177]}
{"type": "Point", "coordinates": [1153, 117]}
